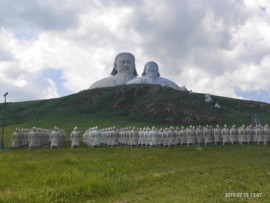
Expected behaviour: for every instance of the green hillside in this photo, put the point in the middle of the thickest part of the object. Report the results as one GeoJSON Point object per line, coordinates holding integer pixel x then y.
{"type": "Point", "coordinates": [211, 173]}
{"type": "Point", "coordinates": [136, 105]}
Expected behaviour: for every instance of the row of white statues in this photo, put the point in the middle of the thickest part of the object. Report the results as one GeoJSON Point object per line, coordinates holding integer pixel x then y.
{"type": "Point", "coordinates": [124, 72]}
{"type": "Point", "coordinates": [172, 136]}
{"type": "Point", "coordinates": [37, 137]}
{"type": "Point", "coordinates": [132, 136]}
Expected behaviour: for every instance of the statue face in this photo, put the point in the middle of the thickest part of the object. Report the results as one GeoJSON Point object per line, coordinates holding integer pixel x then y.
{"type": "Point", "coordinates": [125, 63]}
{"type": "Point", "coordinates": [151, 69]}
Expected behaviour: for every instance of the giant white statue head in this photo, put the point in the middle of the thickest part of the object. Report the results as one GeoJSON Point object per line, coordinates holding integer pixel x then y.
{"type": "Point", "coordinates": [124, 63]}
{"type": "Point", "coordinates": [123, 71]}
{"type": "Point", "coordinates": [151, 69]}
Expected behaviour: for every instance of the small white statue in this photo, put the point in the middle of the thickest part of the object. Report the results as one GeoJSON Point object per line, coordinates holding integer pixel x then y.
{"type": "Point", "coordinates": [225, 133]}
{"type": "Point", "coordinates": [15, 139]}
{"type": "Point", "coordinates": [54, 138]}
{"type": "Point", "coordinates": [208, 98]}
{"type": "Point", "coordinates": [233, 134]}
{"type": "Point", "coordinates": [75, 137]}
{"type": "Point", "coordinates": [33, 138]}
{"type": "Point", "coordinates": [124, 70]}
{"type": "Point", "coordinates": [153, 137]}
{"type": "Point", "coordinates": [217, 105]}
{"type": "Point", "coordinates": [217, 134]}
{"type": "Point", "coordinates": [151, 75]}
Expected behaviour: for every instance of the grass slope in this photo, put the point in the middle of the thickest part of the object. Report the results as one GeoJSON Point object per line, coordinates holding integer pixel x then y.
{"type": "Point", "coordinates": [182, 174]}
{"type": "Point", "coordinates": [135, 105]}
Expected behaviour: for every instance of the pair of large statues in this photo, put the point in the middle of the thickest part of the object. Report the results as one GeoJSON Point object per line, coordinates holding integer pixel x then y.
{"type": "Point", "coordinates": [124, 72]}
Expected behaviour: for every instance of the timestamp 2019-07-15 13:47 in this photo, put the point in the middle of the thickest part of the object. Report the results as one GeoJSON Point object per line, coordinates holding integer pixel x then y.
{"type": "Point", "coordinates": [242, 194]}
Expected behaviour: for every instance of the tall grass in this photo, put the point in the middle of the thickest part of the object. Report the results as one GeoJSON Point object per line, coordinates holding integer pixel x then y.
{"type": "Point", "coordinates": [182, 174]}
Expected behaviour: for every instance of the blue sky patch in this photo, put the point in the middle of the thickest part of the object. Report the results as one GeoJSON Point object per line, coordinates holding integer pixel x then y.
{"type": "Point", "coordinates": [56, 75]}
{"type": "Point", "coordinates": [254, 95]}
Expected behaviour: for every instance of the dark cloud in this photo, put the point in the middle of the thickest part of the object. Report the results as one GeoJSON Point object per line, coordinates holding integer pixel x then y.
{"type": "Point", "coordinates": [181, 32]}
{"type": "Point", "coordinates": [32, 14]}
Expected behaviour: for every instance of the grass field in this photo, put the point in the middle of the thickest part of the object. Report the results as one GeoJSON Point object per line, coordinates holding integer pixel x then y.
{"type": "Point", "coordinates": [139, 174]}
{"type": "Point", "coordinates": [121, 174]}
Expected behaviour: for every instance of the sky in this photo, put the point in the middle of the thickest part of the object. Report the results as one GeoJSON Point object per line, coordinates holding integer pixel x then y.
{"type": "Point", "coordinates": [51, 48]}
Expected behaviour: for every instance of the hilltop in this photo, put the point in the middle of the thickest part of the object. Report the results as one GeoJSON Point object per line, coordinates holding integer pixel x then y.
{"type": "Point", "coordinates": [134, 105]}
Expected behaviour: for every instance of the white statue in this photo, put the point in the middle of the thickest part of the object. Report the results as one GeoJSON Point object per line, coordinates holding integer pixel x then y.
{"type": "Point", "coordinates": [183, 136]}
{"type": "Point", "coordinates": [199, 135]}
{"type": "Point", "coordinates": [190, 135]}
{"type": "Point", "coordinates": [133, 137]}
{"type": "Point", "coordinates": [217, 134]}
{"type": "Point", "coordinates": [217, 105]}
{"type": "Point", "coordinates": [33, 138]}
{"type": "Point", "coordinates": [250, 134]}
{"type": "Point", "coordinates": [57, 137]}
{"type": "Point", "coordinates": [225, 133]}
{"type": "Point", "coordinates": [171, 136]}
{"type": "Point", "coordinates": [259, 134]}
{"type": "Point", "coordinates": [208, 133]}
{"type": "Point", "coordinates": [124, 70]}
{"type": "Point", "coordinates": [15, 139]}
{"type": "Point", "coordinates": [153, 137]}
{"type": "Point", "coordinates": [96, 138]}
{"type": "Point", "coordinates": [242, 135]}
{"type": "Point", "coordinates": [233, 134]}
{"type": "Point", "coordinates": [75, 137]}
{"type": "Point", "coordinates": [208, 98]}
{"type": "Point", "coordinates": [266, 139]}
{"type": "Point", "coordinates": [151, 76]}
{"type": "Point", "coordinates": [54, 138]}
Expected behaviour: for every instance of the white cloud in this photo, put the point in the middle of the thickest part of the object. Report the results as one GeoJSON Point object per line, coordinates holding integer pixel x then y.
{"type": "Point", "coordinates": [27, 86]}
{"type": "Point", "coordinates": [196, 43]}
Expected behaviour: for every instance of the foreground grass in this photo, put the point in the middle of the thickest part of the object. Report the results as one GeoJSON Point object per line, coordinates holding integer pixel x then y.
{"type": "Point", "coordinates": [182, 174]}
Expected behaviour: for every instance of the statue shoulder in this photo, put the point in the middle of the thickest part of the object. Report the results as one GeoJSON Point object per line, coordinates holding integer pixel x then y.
{"type": "Point", "coordinates": [167, 82]}
{"type": "Point", "coordinates": [105, 82]}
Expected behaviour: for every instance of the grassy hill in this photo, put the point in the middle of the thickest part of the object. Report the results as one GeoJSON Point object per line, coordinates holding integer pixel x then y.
{"type": "Point", "coordinates": [138, 174]}
{"type": "Point", "coordinates": [132, 105]}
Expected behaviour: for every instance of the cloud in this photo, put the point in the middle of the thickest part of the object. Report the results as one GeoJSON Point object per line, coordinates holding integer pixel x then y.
{"type": "Point", "coordinates": [26, 86]}
{"type": "Point", "coordinates": [198, 44]}
{"type": "Point", "coordinates": [37, 15]}
{"type": "Point", "coordinates": [5, 55]}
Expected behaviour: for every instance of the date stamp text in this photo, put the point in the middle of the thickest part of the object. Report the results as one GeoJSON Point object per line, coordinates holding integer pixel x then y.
{"type": "Point", "coordinates": [242, 194]}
